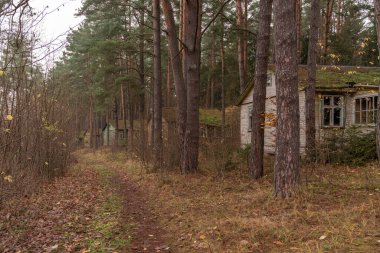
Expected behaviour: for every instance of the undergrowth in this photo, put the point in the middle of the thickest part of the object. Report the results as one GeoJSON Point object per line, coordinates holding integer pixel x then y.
{"type": "Point", "coordinates": [338, 210]}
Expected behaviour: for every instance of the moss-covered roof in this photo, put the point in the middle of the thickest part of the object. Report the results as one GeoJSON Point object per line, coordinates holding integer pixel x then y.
{"type": "Point", "coordinates": [329, 77]}
{"type": "Point", "coordinates": [211, 117]}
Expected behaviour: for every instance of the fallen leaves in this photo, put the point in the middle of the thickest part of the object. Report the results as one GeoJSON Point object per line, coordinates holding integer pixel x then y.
{"type": "Point", "coordinates": [8, 179]}
{"type": "Point", "coordinates": [58, 219]}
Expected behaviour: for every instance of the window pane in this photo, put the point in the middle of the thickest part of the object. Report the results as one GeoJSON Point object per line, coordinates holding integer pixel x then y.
{"type": "Point", "coordinates": [371, 117]}
{"type": "Point", "coordinates": [357, 118]}
{"type": "Point", "coordinates": [327, 100]}
{"type": "Point", "coordinates": [375, 102]}
{"type": "Point", "coordinates": [357, 105]}
{"type": "Point", "coordinates": [364, 117]}
{"type": "Point", "coordinates": [364, 104]}
{"type": "Point", "coordinates": [375, 115]}
{"type": "Point", "coordinates": [337, 101]}
{"type": "Point", "coordinates": [370, 103]}
{"type": "Point", "coordinates": [269, 80]}
{"type": "Point", "coordinates": [326, 116]}
{"type": "Point", "coordinates": [337, 116]}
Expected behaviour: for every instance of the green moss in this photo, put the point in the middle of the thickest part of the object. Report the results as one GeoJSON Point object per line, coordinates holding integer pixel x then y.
{"type": "Point", "coordinates": [210, 117]}
{"type": "Point", "coordinates": [109, 232]}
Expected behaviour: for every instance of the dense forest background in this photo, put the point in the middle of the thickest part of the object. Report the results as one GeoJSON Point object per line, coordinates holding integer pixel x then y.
{"type": "Point", "coordinates": [107, 70]}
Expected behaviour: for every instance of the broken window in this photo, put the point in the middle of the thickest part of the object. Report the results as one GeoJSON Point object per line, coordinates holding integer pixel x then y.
{"type": "Point", "coordinates": [366, 110]}
{"type": "Point", "coordinates": [332, 111]}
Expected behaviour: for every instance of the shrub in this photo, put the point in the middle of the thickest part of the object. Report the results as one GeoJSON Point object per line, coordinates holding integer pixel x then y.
{"type": "Point", "coordinates": [353, 146]}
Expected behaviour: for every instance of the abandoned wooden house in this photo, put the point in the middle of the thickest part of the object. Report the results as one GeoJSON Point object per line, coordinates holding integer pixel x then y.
{"type": "Point", "coordinates": [345, 96]}
{"type": "Point", "coordinates": [122, 131]}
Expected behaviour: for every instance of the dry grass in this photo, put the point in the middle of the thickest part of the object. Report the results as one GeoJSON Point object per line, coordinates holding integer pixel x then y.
{"type": "Point", "coordinates": [338, 211]}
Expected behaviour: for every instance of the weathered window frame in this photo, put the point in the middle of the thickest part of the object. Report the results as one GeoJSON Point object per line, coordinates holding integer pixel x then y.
{"type": "Point", "coordinates": [250, 109]}
{"type": "Point", "coordinates": [361, 114]}
{"type": "Point", "coordinates": [269, 80]}
{"type": "Point", "coordinates": [332, 108]}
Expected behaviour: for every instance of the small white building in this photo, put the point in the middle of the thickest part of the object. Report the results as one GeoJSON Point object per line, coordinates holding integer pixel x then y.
{"type": "Point", "coordinates": [345, 96]}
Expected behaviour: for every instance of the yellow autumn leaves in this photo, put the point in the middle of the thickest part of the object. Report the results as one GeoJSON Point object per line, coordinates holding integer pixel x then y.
{"type": "Point", "coordinates": [7, 178]}
{"type": "Point", "coordinates": [9, 117]}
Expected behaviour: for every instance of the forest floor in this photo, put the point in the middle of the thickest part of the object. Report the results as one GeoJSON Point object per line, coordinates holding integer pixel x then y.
{"type": "Point", "coordinates": [108, 203]}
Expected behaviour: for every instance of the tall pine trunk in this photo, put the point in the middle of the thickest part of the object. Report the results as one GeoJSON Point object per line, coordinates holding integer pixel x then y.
{"type": "Point", "coordinates": [168, 84]}
{"type": "Point", "coordinates": [157, 76]}
{"type": "Point", "coordinates": [245, 46]}
{"type": "Point", "coordinates": [298, 10]}
{"type": "Point", "coordinates": [377, 15]}
{"type": "Point", "coordinates": [311, 73]}
{"type": "Point", "coordinates": [116, 117]}
{"type": "Point", "coordinates": [287, 159]}
{"type": "Point", "coordinates": [142, 84]}
{"type": "Point", "coordinates": [328, 15]}
{"type": "Point", "coordinates": [222, 72]}
{"type": "Point", "coordinates": [193, 14]}
{"type": "Point", "coordinates": [240, 44]}
{"type": "Point", "coordinates": [179, 83]}
{"type": "Point", "coordinates": [256, 166]}
{"type": "Point", "coordinates": [124, 115]}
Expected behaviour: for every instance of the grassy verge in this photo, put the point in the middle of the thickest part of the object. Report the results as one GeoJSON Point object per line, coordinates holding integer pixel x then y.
{"type": "Point", "coordinates": [109, 233]}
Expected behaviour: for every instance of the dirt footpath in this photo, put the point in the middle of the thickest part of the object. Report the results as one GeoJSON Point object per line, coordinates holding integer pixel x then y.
{"type": "Point", "coordinates": [94, 208]}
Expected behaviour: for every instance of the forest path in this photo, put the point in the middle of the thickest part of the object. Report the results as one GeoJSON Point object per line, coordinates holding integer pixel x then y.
{"type": "Point", "coordinates": [94, 208]}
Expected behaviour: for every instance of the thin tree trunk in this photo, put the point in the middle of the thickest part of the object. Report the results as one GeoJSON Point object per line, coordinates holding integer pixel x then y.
{"type": "Point", "coordinates": [312, 73]}
{"type": "Point", "coordinates": [339, 16]}
{"type": "Point", "coordinates": [116, 117]}
{"type": "Point", "coordinates": [245, 47]}
{"type": "Point", "coordinates": [222, 77]}
{"type": "Point", "coordinates": [256, 165]}
{"type": "Point", "coordinates": [142, 85]}
{"type": "Point", "coordinates": [179, 83]}
{"type": "Point", "coordinates": [122, 97]}
{"type": "Point", "coordinates": [240, 44]}
{"type": "Point", "coordinates": [298, 10]}
{"type": "Point", "coordinates": [377, 15]}
{"type": "Point", "coordinates": [287, 159]}
{"type": "Point", "coordinates": [213, 63]}
{"type": "Point", "coordinates": [193, 15]}
{"type": "Point", "coordinates": [168, 85]}
{"type": "Point", "coordinates": [329, 10]}
{"type": "Point", "coordinates": [157, 75]}
{"type": "Point", "coordinates": [108, 129]}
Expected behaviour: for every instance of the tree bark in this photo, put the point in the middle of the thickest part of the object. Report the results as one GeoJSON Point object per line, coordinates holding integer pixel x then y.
{"type": "Point", "coordinates": [122, 98]}
{"type": "Point", "coordinates": [240, 44]}
{"type": "Point", "coordinates": [377, 16]}
{"type": "Point", "coordinates": [287, 159]}
{"type": "Point", "coordinates": [329, 10]}
{"type": "Point", "coordinates": [222, 77]}
{"type": "Point", "coordinates": [179, 83]}
{"type": "Point", "coordinates": [256, 165]}
{"type": "Point", "coordinates": [339, 16]}
{"type": "Point", "coordinates": [116, 117]}
{"type": "Point", "coordinates": [142, 84]}
{"type": "Point", "coordinates": [157, 76]}
{"type": "Point", "coordinates": [168, 85]}
{"type": "Point", "coordinates": [298, 10]}
{"type": "Point", "coordinates": [311, 73]}
{"type": "Point", "coordinates": [245, 47]}
{"type": "Point", "coordinates": [193, 14]}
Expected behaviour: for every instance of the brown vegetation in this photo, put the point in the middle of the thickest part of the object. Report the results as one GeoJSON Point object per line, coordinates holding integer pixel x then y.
{"type": "Point", "coordinates": [337, 210]}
